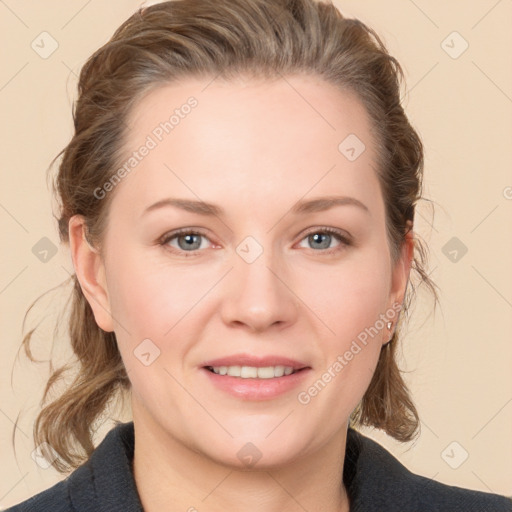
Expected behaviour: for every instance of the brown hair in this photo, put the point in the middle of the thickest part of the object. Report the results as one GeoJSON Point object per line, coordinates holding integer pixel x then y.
{"type": "Point", "coordinates": [211, 38]}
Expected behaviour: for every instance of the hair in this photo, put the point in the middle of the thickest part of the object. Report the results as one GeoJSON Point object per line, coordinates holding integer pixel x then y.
{"type": "Point", "coordinates": [269, 39]}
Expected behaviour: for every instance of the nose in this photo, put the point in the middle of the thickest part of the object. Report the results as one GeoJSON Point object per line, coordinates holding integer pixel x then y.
{"type": "Point", "coordinates": [257, 295]}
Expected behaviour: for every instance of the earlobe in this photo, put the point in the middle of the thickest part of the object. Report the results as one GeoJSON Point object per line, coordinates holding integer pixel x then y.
{"type": "Point", "coordinates": [402, 269]}
{"type": "Point", "coordinates": [400, 279]}
{"type": "Point", "coordinates": [90, 272]}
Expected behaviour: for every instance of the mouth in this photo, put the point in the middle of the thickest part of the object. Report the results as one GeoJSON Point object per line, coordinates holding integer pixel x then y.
{"type": "Point", "coordinates": [256, 378]}
{"type": "Point", "coordinates": [254, 372]}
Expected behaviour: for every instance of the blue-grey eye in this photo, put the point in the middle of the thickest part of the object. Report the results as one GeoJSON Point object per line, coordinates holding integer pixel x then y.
{"type": "Point", "coordinates": [186, 241]}
{"type": "Point", "coordinates": [190, 241]}
{"type": "Point", "coordinates": [321, 240]}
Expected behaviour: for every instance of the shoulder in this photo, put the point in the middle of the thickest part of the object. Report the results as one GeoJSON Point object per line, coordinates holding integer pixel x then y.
{"type": "Point", "coordinates": [55, 498]}
{"type": "Point", "coordinates": [104, 482]}
{"type": "Point", "coordinates": [73, 494]}
{"type": "Point", "coordinates": [377, 481]}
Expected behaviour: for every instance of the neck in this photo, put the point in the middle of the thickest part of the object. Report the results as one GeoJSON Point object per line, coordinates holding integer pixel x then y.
{"type": "Point", "coordinates": [170, 476]}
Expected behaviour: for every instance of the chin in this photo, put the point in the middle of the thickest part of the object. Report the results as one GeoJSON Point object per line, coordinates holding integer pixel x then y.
{"type": "Point", "coordinates": [257, 452]}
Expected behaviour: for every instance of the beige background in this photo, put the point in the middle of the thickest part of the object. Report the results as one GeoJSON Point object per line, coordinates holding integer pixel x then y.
{"type": "Point", "coordinates": [459, 360]}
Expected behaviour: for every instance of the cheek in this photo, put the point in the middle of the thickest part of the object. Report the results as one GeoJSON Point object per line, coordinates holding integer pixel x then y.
{"type": "Point", "coordinates": [150, 296]}
{"type": "Point", "coordinates": [349, 297]}
{"type": "Point", "coordinates": [352, 309]}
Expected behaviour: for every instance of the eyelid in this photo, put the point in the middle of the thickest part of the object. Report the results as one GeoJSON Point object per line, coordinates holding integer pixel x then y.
{"type": "Point", "coordinates": [182, 231]}
{"type": "Point", "coordinates": [343, 237]}
{"type": "Point", "coordinates": [341, 233]}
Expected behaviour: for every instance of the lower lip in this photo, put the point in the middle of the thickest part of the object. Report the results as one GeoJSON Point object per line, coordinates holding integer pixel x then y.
{"type": "Point", "coordinates": [257, 389]}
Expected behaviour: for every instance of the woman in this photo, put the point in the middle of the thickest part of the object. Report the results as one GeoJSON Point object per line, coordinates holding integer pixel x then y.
{"type": "Point", "coordinates": [238, 199]}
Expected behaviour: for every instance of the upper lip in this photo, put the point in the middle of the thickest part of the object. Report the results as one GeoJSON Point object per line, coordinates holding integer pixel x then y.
{"type": "Point", "coordinates": [255, 361]}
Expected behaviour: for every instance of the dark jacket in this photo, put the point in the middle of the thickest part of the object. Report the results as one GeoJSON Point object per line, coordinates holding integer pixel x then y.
{"type": "Point", "coordinates": [376, 482]}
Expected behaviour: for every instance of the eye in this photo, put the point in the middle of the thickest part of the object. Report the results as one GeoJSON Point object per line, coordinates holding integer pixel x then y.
{"type": "Point", "coordinates": [185, 241]}
{"type": "Point", "coordinates": [188, 240]}
{"type": "Point", "coordinates": [321, 238]}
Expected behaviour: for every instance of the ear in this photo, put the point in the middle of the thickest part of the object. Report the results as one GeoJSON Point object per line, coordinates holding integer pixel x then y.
{"type": "Point", "coordinates": [90, 272]}
{"type": "Point", "coordinates": [402, 268]}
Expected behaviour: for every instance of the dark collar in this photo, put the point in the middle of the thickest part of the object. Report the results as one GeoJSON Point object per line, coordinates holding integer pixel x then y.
{"type": "Point", "coordinates": [107, 477]}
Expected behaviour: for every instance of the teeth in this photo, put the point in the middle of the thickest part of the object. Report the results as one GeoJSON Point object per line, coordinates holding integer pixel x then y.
{"type": "Point", "coordinates": [233, 371]}
{"type": "Point", "coordinates": [252, 372]}
{"type": "Point", "coordinates": [249, 372]}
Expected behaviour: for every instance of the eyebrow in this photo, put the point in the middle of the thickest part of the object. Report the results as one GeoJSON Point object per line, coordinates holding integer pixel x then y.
{"type": "Point", "coordinates": [300, 208]}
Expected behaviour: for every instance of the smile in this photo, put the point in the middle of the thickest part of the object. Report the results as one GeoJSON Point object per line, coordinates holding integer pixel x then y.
{"type": "Point", "coordinates": [252, 372]}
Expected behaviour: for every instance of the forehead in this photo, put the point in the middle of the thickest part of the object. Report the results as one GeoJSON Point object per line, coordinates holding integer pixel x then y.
{"type": "Point", "coordinates": [250, 139]}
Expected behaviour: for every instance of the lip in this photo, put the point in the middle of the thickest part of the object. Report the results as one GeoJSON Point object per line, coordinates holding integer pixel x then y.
{"type": "Point", "coordinates": [257, 361]}
{"type": "Point", "coordinates": [256, 389]}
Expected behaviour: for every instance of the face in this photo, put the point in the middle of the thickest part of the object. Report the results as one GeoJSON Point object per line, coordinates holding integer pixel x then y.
{"type": "Point", "coordinates": [246, 270]}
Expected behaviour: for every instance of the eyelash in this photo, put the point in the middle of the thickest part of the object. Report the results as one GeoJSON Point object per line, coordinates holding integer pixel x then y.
{"type": "Point", "coordinates": [344, 240]}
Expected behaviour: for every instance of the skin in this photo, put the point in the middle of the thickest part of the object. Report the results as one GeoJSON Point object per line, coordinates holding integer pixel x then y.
{"type": "Point", "coordinates": [254, 148]}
